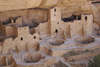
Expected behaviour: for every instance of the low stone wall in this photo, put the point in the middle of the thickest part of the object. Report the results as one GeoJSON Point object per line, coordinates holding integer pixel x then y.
{"type": "Point", "coordinates": [73, 65]}
{"type": "Point", "coordinates": [38, 65]}
{"type": "Point", "coordinates": [84, 55]}
{"type": "Point", "coordinates": [6, 61]}
{"type": "Point", "coordinates": [60, 53]}
{"type": "Point", "coordinates": [92, 48]}
{"type": "Point", "coordinates": [85, 45]}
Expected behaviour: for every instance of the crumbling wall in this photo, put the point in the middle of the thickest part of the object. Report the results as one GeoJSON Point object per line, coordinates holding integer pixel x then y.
{"type": "Point", "coordinates": [1, 48]}
{"type": "Point", "coordinates": [2, 60]}
{"type": "Point", "coordinates": [9, 59]}
{"type": "Point", "coordinates": [6, 61]}
{"type": "Point", "coordinates": [30, 17]}
{"type": "Point", "coordinates": [84, 55]}
{"type": "Point", "coordinates": [16, 22]}
{"type": "Point", "coordinates": [2, 29]}
{"type": "Point", "coordinates": [10, 30]}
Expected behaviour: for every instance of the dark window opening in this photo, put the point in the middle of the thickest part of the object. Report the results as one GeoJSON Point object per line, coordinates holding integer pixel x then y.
{"type": "Point", "coordinates": [54, 14]}
{"type": "Point", "coordinates": [56, 31]}
{"type": "Point", "coordinates": [54, 10]}
{"type": "Point", "coordinates": [21, 38]}
{"type": "Point", "coordinates": [79, 17]}
{"type": "Point", "coordinates": [95, 2]}
{"type": "Point", "coordinates": [51, 7]}
{"type": "Point", "coordinates": [34, 37]}
{"type": "Point", "coordinates": [72, 18]}
{"type": "Point", "coordinates": [85, 18]}
{"type": "Point", "coordinates": [57, 22]}
{"type": "Point", "coordinates": [68, 19]}
{"type": "Point", "coordinates": [14, 20]}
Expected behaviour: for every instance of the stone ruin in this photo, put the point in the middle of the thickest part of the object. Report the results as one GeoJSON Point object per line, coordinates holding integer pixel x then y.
{"type": "Point", "coordinates": [48, 33]}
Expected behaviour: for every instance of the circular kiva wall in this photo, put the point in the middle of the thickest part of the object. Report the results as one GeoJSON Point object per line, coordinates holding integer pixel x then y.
{"type": "Point", "coordinates": [32, 58]}
{"type": "Point", "coordinates": [55, 42]}
{"type": "Point", "coordinates": [84, 40]}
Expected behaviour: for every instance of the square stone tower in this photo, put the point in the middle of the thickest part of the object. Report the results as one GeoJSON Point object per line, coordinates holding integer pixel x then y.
{"type": "Point", "coordinates": [55, 21]}
{"type": "Point", "coordinates": [87, 20]}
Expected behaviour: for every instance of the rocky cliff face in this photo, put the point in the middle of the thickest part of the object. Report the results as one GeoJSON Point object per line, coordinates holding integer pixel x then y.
{"type": "Point", "coordinates": [68, 7]}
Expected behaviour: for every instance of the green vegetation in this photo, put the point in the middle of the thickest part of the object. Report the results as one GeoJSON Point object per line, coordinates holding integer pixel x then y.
{"type": "Point", "coordinates": [92, 50]}
{"type": "Point", "coordinates": [86, 50]}
{"type": "Point", "coordinates": [73, 53]}
{"type": "Point", "coordinates": [95, 62]}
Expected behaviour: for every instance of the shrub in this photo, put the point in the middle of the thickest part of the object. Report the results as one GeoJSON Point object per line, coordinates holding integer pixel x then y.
{"type": "Point", "coordinates": [95, 62]}
{"type": "Point", "coordinates": [86, 51]}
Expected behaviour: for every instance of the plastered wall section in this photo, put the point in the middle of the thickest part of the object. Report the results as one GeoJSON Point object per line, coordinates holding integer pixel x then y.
{"type": "Point", "coordinates": [55, 20]}
{"type": "Point", "coordinates": [66, 27]}
{"type": "Point", "coordinates": [87, 24]}
{"type": "Point", "coordinates": [43, 29]}
{"type": "Point", "coordinates": [76, 28]}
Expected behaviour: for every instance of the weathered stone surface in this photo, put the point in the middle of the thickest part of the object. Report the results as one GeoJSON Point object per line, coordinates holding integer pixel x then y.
{"type": "Point", "coordinates": [30, 17]}
{"type": "Point", "coordinates": [68, 7]}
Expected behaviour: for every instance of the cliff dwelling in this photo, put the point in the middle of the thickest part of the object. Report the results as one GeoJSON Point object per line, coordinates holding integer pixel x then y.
{"type": "Point", "coordinates": [49, 33]}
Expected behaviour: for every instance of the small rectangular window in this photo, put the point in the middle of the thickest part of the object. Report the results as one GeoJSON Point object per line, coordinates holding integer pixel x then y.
{"type": "Point", "coordinates": [56, 31]}
{"type": "Point", "coordinates": [34, 37]}
{"type": "Point", "coordinates": [21, 38]}
{"type": "Point", "coordinates": [54, 10]}
{"type": "Point", "coordinates": [86, 18]}
{"type": "Point", "coordinates": [79, 17]}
